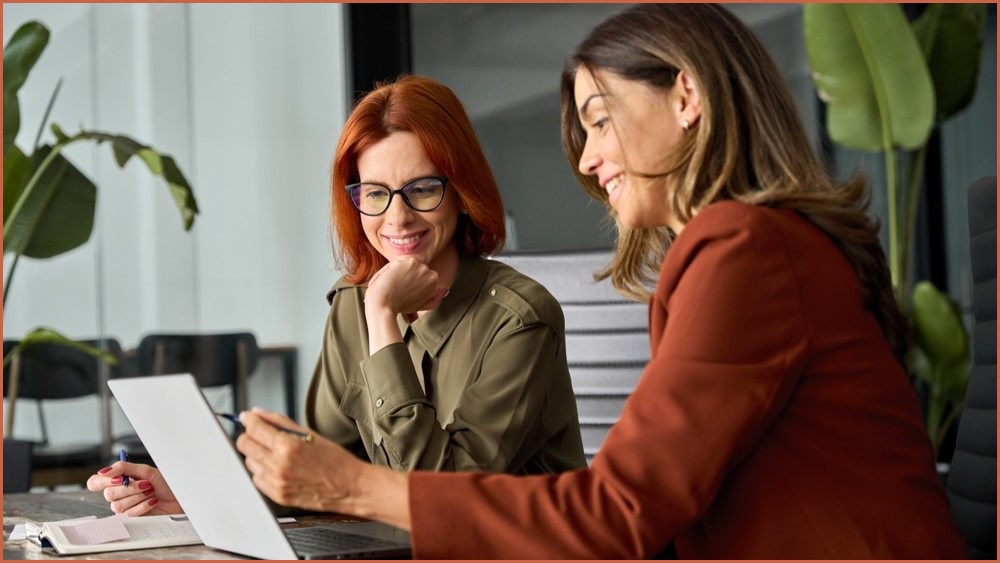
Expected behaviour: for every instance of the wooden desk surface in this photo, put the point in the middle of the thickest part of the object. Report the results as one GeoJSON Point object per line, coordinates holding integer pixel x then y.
{"type": "Point", "coordinates": [44, 507]}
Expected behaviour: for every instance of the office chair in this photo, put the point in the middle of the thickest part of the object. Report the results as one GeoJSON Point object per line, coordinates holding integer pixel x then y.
{"type": "Point", "coordinates": [214, 359]}
{"type": "Point", "coordinates": [972, 479]}
{"type": "Point", "coordinates": [607, 335]}
{"type": "Point", "coordinates": [51, 374]}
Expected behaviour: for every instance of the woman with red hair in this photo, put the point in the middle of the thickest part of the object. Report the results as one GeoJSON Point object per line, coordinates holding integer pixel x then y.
{"type": "Point", "coordinates": [433, 357]}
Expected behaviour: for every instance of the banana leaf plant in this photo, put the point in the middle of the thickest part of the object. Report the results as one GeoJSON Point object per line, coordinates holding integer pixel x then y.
{"type": "Point", "coordinates": [48, 203]}
{"type": "Point", "coordinates": [888, 84]}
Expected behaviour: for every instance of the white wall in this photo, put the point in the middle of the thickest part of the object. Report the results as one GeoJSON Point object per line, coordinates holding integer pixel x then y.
{"type": "Point", "coordinates": [249, 100]}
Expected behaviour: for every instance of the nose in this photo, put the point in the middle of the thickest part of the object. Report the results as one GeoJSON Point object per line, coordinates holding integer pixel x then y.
{"type": "Point", "coordinates": [398, 212]}
{"type": "Point", "coordinates": [589, 160]}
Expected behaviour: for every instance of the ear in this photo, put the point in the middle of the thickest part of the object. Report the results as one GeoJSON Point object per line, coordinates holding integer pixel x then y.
{"type": "Point", "coordinates": [688, 102]}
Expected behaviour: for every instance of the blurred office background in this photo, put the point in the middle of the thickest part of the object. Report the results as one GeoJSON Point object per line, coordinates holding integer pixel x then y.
{"type": "Point", "coordinates": [249, 100]}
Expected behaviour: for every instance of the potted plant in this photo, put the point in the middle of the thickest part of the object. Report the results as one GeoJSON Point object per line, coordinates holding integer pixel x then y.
{"type": "Point", "coordinates": [888, 83]}
{"type": "Point", "coordinates": [48, 203]}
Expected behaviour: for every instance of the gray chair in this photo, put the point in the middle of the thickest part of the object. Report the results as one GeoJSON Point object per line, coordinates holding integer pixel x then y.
{"type": "Point", "coordinates": [607, 337]}
{"type": "Point", "coordinates": [50, 376]}
{"type": "Point", "coordinates": [972, 480]}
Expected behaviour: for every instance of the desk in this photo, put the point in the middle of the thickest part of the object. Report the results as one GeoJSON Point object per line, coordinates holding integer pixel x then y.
{"type": "Point", "coordinates": [41, 507]}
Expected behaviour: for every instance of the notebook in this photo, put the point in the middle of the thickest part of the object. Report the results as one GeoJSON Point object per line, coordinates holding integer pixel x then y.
{"type": "Point", "coordinates": [206, 473]}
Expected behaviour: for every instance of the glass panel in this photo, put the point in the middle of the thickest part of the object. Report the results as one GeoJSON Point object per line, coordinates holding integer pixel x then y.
{"type": "Point", "coordinates": [504, 62]}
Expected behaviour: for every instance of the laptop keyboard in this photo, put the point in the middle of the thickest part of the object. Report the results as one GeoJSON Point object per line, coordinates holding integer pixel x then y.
{"type": "Point", "coordinates": [319, 539]}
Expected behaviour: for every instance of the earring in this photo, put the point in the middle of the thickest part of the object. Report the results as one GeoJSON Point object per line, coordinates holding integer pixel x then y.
{"type": "Point", "coordinates": [685, 125]}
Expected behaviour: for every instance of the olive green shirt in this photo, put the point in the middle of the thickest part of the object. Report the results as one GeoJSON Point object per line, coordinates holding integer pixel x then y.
{"type": "Point", "coordinates": [479, 383]}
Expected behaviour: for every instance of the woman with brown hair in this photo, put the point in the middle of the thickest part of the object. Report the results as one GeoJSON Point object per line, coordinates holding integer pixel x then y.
{"type": "Point", "coordinates": [774, 419]}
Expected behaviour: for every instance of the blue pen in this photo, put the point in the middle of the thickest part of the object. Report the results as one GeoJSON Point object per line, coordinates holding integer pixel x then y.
{"type": "Point", "coordinates": [123, 456]}
{"type": "Point", "coordinates": [304, 436]}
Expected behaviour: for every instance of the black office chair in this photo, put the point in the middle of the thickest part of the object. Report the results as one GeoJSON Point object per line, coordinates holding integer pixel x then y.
{"type": "Point", "coordinates": [972, 480]}
{"type": "Point", "coordinates": [607, 336]}
{"type": "Point", "coordinates": [215, 360]}
{"type": "Point", "coordinates": [50, 375]}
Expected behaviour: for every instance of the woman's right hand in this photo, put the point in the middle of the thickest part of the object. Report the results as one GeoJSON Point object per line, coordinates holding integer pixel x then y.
{"type": "Point", "coordinates": [146, 493]}
{"type": "Point", "coordinates": [403, 286]}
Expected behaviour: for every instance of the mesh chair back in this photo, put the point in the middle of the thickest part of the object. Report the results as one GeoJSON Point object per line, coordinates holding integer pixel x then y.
{"type": "Point", "coordinates": [972, 478]}
{"type": "Point", "coordinates": [607, 336]}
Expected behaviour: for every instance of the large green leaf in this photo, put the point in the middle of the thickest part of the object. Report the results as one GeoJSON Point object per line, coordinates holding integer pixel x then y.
{"type": "Point", "coordinates": [16, 173]}
{"type": "Point", "coordinates": [19, 56]}
{"type": "Point", "coordinates": [159, 164]}
{"type": "Point", "coordinates": [44, 335]}
{"type": "Point", "coordinates": [939, 357]}
{"type": "Point", "coordinates": [55, 213]}
{"type": "Point", "coordinates": [952, 40]}
{"type": "Point", "coordinates": [940, 331]}
{"type": "Point", "coordinates": [869, 69]}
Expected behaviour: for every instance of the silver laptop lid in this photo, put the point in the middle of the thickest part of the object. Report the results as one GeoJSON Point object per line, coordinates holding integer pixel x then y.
{"type": "Point", "coordinates": [198, 460]}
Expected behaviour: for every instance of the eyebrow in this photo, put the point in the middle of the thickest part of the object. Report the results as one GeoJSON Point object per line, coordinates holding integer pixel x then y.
{"type": "Point", "coordinates": [413, 179]}
{"type": "Point", "coordinates": [586, 103]}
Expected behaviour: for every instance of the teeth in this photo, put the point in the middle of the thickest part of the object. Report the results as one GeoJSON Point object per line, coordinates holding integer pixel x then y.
{"type": "Point", "coordinates": [404, 241]}
{"type": "Point", "coordinates": [613, 184]}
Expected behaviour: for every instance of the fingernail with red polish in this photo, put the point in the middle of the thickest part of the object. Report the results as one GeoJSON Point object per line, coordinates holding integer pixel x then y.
{"type": "Point", "coordinates": [147, 492]}
{"type": "Point", "coordinates": [145, 486]}
{"type": "Point", "coordinates": [153, 501]}
{"type": "Point", "coordinates": [117, 480]}
{"type": "Point", "coordinates": [105, 470]}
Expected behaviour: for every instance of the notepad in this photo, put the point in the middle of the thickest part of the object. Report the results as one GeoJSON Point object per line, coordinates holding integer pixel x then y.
{"type": "Point", "coordinates": [113, 533]}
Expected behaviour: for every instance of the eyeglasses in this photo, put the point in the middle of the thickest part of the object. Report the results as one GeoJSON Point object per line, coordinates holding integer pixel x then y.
{"type": "Point", "coordinates": [422, 194]}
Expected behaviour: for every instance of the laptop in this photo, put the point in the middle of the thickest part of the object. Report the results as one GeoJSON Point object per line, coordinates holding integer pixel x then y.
{"type": "Point", "coordinates": [206, 473]}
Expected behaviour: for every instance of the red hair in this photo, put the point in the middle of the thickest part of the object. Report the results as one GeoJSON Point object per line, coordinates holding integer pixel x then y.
{"type": "Point", "coordinates": [433, 113]}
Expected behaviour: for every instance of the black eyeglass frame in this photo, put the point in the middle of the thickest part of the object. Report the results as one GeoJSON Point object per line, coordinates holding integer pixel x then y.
{"type": "Point", "coordinates": [400, 191]}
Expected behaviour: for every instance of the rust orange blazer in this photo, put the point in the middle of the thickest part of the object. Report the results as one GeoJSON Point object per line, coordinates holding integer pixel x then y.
{"type": "Point", "coordinates": [771, 422]}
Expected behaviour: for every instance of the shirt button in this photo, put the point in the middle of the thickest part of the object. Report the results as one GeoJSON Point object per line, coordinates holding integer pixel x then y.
{"type": "Point", "coordinates": [493, 293]}
{"type": "Point", "coordinates": [378, 403]}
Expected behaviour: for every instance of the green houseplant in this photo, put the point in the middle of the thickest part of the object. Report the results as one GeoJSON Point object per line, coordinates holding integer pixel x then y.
{"type": "Point", "coordinates": [888, 83]}
{"type": "Point", "coordinates": [49, 204]}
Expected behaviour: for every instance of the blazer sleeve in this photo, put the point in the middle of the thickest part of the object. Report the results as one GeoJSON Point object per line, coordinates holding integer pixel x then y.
{"type": "Point", "coordinates": [729, 343]}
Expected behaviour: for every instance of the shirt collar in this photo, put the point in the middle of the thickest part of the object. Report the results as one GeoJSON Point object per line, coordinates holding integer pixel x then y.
{"type": "Point", "coordinates": [435, 326]}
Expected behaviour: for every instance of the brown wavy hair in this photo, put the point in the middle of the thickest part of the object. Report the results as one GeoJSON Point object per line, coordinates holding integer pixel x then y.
{"type": "Point", "coordinates": [433, 113]}
{"type": "Point", "coordinates": [748, 144]}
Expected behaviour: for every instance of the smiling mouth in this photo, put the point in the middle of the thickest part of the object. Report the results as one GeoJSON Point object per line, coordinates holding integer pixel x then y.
{"type": "Point", "coordinates": [407, 244]}
{"type": "Point", "coordinates": [613, 184]}
{"type": "Point", "coordinates": [403, 241]}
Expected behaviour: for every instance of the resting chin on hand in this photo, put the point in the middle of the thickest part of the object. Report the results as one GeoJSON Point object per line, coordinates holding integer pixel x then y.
{"type": "Point", "coordinates": [146, 494]}
{"type": "Point", "coordinates": [318, 474]}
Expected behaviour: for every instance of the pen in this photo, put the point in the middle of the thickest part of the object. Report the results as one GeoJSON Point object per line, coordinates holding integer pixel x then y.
{"type": "Point", "coordinates": [304, 436]}
{"type": "Point", "coordinates": [123, 456]}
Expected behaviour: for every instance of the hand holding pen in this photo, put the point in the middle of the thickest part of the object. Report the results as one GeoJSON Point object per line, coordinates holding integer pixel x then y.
{"type": "Point", "coordinates": [133, 488]}
{"type": "Point", "coordinates": [304, 436]}
{"type": "Point", "coordinates": [123, 456]}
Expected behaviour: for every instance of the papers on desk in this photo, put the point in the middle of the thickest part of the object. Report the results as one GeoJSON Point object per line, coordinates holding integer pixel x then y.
{"type": "Point", "coordinates": [113, 533]}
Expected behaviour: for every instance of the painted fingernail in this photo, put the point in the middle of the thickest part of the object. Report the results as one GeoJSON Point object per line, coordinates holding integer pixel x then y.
{"type": "Point", "coordinates": [153, 501]}
{"type": "Point", "coordinates": [105, 470]}
{"type": "Point", "coordinates": [117, 480]}
{"type": "Point", "coordinates": [145, 486]}
{"type": "Point", "coordinates": [147, 492]}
